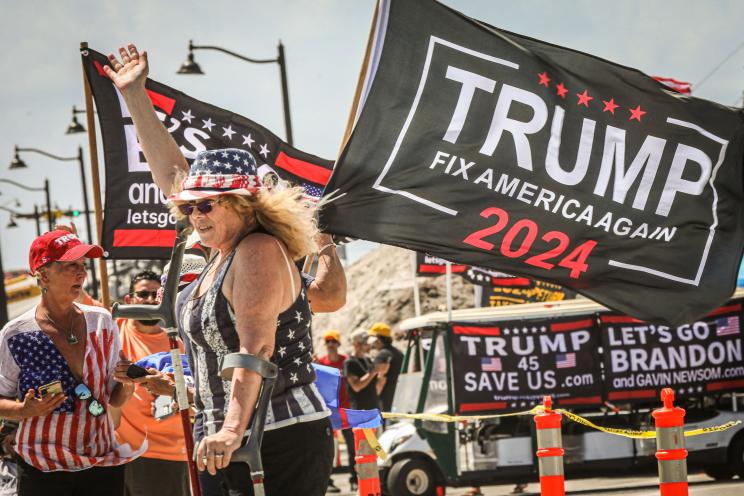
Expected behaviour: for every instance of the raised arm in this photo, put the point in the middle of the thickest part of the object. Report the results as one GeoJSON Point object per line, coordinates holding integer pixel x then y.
{"type": "Point", "coordinates": [161, 150]}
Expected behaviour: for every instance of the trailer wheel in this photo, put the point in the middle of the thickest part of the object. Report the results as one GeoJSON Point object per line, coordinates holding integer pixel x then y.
{"type": "Point", "coordinates": [412, 477]}
{"type": "Point", "coordinates": [719, 472]}
{"type": "Point", "coordinates": [736, 457]}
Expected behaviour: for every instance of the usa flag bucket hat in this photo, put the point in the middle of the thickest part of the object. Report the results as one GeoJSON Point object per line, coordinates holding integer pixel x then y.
{"type": "Point", "coordinates": [226, 171]}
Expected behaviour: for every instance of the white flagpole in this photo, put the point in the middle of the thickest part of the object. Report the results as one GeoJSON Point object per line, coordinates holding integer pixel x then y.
{"type": "Point", "coordinates": [416, 293]}
{"type": "Point", "coordinates": [449, 291]}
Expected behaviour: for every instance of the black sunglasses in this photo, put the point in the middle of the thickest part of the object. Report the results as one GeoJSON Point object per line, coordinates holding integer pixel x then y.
{"type": "Point", "coordinates": [204, 206]}
{"type": "Point", "coordinates": [145, 294]}
{"type": "Point", "coordinates": [95, 407]}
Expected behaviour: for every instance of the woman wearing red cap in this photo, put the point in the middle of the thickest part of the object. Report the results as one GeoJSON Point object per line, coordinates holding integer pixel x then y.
{"type": "Point", "coordinates": [59, 367]}
{"type": "Point", "coordinates": [250, 299]}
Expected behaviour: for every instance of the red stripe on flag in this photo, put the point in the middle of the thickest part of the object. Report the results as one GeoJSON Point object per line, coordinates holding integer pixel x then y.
{"type": "Point", "coordinates": [728, 309]}
{"type": "Point", "coordinates": [477, 331]}
{"type": "Point", "coordinates": [629, 395]}
{"type": "Point", "coordinates": [162, 101]}
{"type": "Point", "coordinates": [158, 238]}
{"type": "Point", "coordinates": [510, 281]}
{"type": "Point", "coordinates": [585, 400]}
{"type": "Point", "coordinates": [61, 420]}
{"type": "Point", "coordinates": [441, 269]}
{"type": "Point", "coordinates": [305, 170]}
{"type": "Point", "coordinates": [717, 386]}
{"type": "Point", "coordinates": [32, 443]}
{"type": "Point", "coordinates": [571, 326]}
{"type": "Point", "coordinates": [344, 418]}
{"type": "Point", "coordinates": [45, 442]}
{"type": "Point", "coordinates": [99, 68]}
{"type": "Point", "coordinates": [618, 319]}
{"type": "Point", "coordinates": [72, 441]}
{"type": "Point", "coordinates": [477, 407]}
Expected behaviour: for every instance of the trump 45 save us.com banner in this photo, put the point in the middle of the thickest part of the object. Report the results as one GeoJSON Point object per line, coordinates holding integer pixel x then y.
{"type": "Point", "coordinates": [596, 357]}
{"type": "Point", "coordinates": [497, 150]}
{"type": "Point", "coordinates": [136, 222]}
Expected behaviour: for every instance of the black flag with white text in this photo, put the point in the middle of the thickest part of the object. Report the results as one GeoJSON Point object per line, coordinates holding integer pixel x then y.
{"type": "Point", "coordinates": [136, 222]}
{"type": "Point", "coordinates": [497, 150]}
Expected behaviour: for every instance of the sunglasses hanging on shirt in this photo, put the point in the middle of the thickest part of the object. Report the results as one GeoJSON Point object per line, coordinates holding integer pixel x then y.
{"type": "Point", "coordinates": [95, 407]}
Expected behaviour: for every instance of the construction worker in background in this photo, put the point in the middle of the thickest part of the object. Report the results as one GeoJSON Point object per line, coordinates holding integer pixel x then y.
{"type": "Point", "coordinates": [381, 339]}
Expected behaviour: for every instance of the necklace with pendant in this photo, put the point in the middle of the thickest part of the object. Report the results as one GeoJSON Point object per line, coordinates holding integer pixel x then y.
{"type": "Point", "coordinates": [71, 338]}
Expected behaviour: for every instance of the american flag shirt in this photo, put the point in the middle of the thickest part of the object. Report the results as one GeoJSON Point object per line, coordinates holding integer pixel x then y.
{"type": "Point", "coordinates": [69, 438]}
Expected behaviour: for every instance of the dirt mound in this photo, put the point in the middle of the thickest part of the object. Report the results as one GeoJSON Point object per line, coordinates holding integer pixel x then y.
{"type": "Point", "coordinates": [380, 289]}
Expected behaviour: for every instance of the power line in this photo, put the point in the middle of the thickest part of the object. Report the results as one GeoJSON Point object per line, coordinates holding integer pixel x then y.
{"type": "Point", "coordinates": [726, 59]}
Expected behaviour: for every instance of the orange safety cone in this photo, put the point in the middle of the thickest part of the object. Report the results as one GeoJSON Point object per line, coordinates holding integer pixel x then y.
{"type": "Point", "coordinates": [670, 446]}
{"type": "Point", "coordinates": [366, 465]}
{"type": "Point", "coordinates": [550, 450]}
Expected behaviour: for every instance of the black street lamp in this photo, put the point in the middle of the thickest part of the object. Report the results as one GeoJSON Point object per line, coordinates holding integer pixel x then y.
{"type": "Point", "coordinates": [84, 185]}
{"type": "Point", "coordinates": [75, 127]}
{"type": "Point", "coordinates": [191, 67]}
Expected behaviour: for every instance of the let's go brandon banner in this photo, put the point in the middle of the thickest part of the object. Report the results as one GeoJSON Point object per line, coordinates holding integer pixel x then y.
{"type": "Point", "coordinates": [694, 359]}
{"type": "Point", "coordinates": [497, 150]}
{"type": "Point", "coordinates": [136, 222]}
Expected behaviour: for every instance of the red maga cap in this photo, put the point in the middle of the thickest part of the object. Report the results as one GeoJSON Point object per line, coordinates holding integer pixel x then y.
{"type": "Point", "coordinates": [59, 246]}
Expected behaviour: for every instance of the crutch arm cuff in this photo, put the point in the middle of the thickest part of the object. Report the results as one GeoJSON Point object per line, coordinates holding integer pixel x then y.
{"type": "Point", "coordinates": [262, 367]}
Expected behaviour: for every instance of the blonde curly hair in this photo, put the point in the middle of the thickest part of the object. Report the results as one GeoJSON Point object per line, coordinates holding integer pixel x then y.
{"type": "Point", "coordinates": [282, 212]}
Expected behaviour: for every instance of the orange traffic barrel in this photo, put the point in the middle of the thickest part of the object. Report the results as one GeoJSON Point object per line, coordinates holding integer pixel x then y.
{"type": "Point", "coordinates": [366, 465]}
{"type": "Point", "coordinates": [670, 446]}
{"type": "Point", "coordinates": [550, 450]}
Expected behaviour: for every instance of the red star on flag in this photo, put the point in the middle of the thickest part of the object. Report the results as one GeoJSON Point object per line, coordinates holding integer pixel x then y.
{"type": "Point", "coordinates": [610, 106]}
{"type": "Point", "coordinates": [544, 79]}
{"type": "Point", "coordinates": [584, 98]}
{"type": "Point", "coordinates": [561, 90]}
{"type": "Point", "coordinates": [636, 113]}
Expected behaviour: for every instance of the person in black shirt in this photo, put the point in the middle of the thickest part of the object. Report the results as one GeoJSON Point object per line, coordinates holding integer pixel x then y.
{"type": "Point", "coordinates": [361, 374]}
{"type": "Point", "coordinates": [381, 339]}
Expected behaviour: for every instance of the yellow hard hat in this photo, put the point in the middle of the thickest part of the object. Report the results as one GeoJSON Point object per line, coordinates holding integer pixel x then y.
{"type": "Point", "coordinates": [380, 329]}
{"type": "Point", "coordinates": [332, 334]}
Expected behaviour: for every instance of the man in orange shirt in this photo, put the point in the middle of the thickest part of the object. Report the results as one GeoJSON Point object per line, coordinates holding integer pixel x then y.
{"type": "Point", "coordinates": [162, 470]}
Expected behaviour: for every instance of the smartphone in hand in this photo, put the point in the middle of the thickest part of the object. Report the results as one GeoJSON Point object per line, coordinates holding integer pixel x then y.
{"type": "Point", "coordinates": [54, 387]}
{"type": "Point", "coordinates": [135, 371]}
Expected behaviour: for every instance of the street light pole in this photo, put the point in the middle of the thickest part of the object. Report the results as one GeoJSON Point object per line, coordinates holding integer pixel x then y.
{"type": "Point", "coordinates": [3, 295]}
{"type": "Point", "coordinates": [191, 67]}
{"type": "Point", "coordinates": [285, 92]}
{"type": "Point", "coordinates": [45, 189]}
{"type": "Point", "coordinates": [18, 163]}
{"type": "Point", "coordinates": [38, 222]}
{"type": "Point", "coordinates": [50, 219]}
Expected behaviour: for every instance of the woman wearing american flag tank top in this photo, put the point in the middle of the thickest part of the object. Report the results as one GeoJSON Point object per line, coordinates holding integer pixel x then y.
{"type": "Point", "coordinates": [60, 370]}
{"type": "Point", "coordinates": [250, 299]}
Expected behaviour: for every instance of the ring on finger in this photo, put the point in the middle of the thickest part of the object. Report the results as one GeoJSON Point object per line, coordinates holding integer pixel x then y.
{"type": "Point", "coordinates": [219, 454]}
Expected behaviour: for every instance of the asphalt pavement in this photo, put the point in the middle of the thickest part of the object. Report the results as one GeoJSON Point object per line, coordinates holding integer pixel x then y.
{"type": "Point", "coordinates": [700, 485]}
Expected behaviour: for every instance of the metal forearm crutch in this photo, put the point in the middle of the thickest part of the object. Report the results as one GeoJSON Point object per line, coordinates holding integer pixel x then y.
{"type": "Point", "coordinates": [251, 452]}
{"type": "Point", "coordinates": [166, 312]}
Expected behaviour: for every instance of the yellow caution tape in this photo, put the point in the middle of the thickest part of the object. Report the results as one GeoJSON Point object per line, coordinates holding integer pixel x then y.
{"type": "Point", "coordinates": [715, 428]}
{"type": "Point", "coordinates": [629, 433]}
{"type": "Point", "coordinates": [443, 417]}
{"type": "Point", "coordinates": [609, 430]}
{"type": "Point", "coordinates": [374, 443]}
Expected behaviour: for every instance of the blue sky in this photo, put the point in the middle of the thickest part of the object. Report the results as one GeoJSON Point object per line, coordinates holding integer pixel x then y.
{"type": "Point", "coordinates": [324, 43]}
